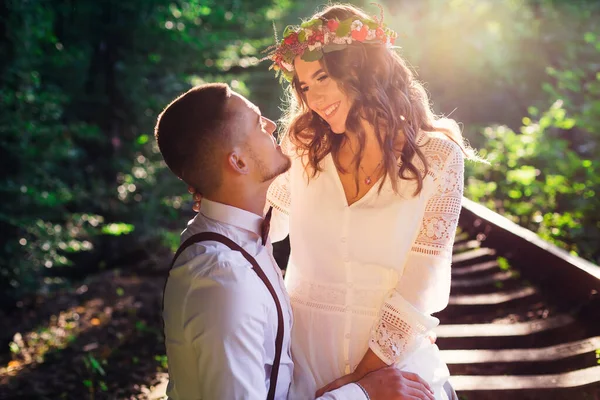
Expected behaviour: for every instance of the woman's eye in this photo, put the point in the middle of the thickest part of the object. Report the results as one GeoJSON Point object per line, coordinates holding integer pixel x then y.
{"type": "Point", "coordinates": [304, 89]}
{"type": "Point", "coordinates": [322, 78]}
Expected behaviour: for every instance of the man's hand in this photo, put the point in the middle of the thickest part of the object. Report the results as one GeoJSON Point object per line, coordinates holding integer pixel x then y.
{"type": "Point", "coordinates": [392, 384]}
{"type": "Point", "coordinates": [386, 384]}
{"type": "Point", "coordinates": [197, 198]}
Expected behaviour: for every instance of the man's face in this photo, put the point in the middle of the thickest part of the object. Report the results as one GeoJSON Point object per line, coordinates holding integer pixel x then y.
{"type": "Point", "coordinates": [265, 157]}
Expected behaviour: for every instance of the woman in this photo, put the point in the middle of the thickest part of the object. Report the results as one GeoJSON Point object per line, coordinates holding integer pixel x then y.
{"type": "Point", "coordinates": [373, 199]}
{"type": "Point", "coordinates": [371, 204]}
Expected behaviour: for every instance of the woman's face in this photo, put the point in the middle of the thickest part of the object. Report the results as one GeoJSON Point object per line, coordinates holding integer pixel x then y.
{"type": "Point", "coordinates": [323, 94]}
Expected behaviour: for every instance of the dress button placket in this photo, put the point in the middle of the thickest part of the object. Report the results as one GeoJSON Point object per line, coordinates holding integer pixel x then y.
{"type": "Point", "coordinates": [348, 271]}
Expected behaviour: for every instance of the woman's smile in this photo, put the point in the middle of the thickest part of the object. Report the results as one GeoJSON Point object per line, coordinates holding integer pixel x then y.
{"type": "Point", "coordinates": [330, 111]}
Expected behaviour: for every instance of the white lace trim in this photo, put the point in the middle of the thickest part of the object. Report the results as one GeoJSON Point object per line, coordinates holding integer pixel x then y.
{"type": "Point", "coordinates": [399, 330]}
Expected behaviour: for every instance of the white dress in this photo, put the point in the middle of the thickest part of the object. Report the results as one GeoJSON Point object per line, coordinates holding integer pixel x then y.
{"type": "Point", "coordinates": [369, 274]}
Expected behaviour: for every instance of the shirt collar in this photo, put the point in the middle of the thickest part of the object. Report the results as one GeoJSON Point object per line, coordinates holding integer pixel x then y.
{"type": "Point", "coordinates": [231, 215]}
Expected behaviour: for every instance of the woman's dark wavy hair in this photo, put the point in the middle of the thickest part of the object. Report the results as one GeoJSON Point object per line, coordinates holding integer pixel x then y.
{"type": "Point", "coordinates": [384, 91]}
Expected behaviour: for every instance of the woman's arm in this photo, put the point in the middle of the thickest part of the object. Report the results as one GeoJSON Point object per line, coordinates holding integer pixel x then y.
{"type": "Point", "coordinates": [424, 287]}
{"type": "Point", "coordinates": [278, 197]}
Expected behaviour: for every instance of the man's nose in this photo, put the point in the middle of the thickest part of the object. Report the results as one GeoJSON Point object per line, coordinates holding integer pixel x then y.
{"type": "Point", "coordinates": [271, 126]}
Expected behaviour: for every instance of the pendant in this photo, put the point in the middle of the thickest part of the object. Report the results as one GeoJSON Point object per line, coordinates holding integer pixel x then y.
{"type": "Point", "coordinates": [368, 180]}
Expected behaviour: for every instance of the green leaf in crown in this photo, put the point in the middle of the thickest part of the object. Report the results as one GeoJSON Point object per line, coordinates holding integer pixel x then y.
{"type": "Point", "coordinates": [371, 24]}
{"type": "Point", "coordinates": [344, 27]}
{"type": "Point", "coordinates": [288, 29]}
{"type": "Point", "coordinates": [302, 36]}
{"type": "Point", "coordinates": [312, 24]}
{"type": "Point", "coordinates": [314, 55]}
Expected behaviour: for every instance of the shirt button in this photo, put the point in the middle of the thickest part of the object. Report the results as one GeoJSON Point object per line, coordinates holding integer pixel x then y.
{"type": "Point", "coordinates": [343, 239]}
{"type": "Point", "coordinates": [347, 336]}
{"type": "Point", "coordinates": [351, 285]}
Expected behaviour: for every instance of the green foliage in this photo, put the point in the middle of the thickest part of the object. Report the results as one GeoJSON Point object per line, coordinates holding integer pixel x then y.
{"type": "Point", "coordinates": [81, 87]}
{"type": "Point", "coordinates": [545, 177]}
{"type": "Point", "coordinates": [503, 264]}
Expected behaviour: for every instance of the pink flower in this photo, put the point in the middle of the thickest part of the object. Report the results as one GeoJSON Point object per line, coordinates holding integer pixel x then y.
{"type": "Point", "coordinates": [361, 35]}
{"type": "Point", "coordinates": [332, 25]}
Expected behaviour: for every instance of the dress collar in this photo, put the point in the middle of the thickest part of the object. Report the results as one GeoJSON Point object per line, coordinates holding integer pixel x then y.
{"type": "Point", "coordinates": [231, 215]}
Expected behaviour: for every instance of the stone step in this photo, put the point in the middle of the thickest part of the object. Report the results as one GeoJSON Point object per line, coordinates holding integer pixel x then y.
{"type": "Point", "coordinates": [492, 298]}
{"type": "Point", "coordinates": [471, 255]}
{"type": "Point", "coordinates": [550, 353]}
{"type": "Point", "coordinates": [474, 268]}
{"type": "Point", "coordinates": [577, 378]}
{"type": "Point", "coordinates": [496, 330]}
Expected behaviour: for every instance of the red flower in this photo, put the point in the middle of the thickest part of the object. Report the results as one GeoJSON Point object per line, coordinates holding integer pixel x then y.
{"type": "Point", "coordinates": [380, 34]}
{"type": "Point", "coordinates": [361, 35]}
{"type": "Point", "coordinates": [332, 25]}
{"type": "Point", "coordinates": [317, 36]}
{"type": "Point", "coordinates": [291, 39]}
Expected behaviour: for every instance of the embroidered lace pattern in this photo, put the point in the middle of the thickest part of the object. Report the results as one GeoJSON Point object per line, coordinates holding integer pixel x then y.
{"type": "Point", "coordinates": [336, 298]}
{"type": "Point", "coordinates": [393, 336]}
{"type": "Point", "coordinates": [436, 235]}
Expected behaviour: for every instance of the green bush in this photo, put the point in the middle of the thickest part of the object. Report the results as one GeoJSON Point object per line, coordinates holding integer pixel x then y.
{"type": "Point", "coordinates": [546, 177]}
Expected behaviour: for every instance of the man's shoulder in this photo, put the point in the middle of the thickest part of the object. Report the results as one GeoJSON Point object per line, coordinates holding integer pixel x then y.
{"type": "Point", "coordinates": [218, 284]}
{"type": "Point", "coordinates": [208, 256]}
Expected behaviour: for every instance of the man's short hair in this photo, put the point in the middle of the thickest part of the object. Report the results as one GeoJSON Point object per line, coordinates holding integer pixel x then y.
{"type": "Point", "coordinates": [191, 133]}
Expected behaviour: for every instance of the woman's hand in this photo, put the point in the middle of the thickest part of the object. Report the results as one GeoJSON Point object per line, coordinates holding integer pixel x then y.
{"type": "Point", "coordinates": [338, 383]}
{"type": "Point", "coordinates": [369, 363]}
{"type": "Point", "coordinates": [197, 198]}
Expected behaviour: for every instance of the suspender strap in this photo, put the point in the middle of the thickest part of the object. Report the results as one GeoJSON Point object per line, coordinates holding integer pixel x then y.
{"type": "Point", "coordinates": [216, 237]}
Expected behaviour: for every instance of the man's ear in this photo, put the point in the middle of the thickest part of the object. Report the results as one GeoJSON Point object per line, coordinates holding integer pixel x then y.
{"type": "Point", "coordinates": [238, 163]}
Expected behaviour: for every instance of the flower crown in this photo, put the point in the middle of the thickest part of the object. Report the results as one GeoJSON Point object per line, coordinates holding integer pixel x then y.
{"type": "Point", "coordinates": [313, 38]}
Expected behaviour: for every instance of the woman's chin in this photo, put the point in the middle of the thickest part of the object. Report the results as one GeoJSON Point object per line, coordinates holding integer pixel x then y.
{"type": "Point", "coordinates": [338, 130]}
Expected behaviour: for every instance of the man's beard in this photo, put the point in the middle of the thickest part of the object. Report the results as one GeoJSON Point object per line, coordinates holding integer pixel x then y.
{"type": "Point", "coordinates": [282, 168]}
{"type": "Point", "coordinates": [268, 174]}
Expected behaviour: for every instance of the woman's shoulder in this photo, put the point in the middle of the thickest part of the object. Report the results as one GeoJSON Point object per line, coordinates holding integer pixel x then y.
{"type": "Point", "coordinates": [436, 144]}
{"type": "Point", "coordinates": [438, 150]}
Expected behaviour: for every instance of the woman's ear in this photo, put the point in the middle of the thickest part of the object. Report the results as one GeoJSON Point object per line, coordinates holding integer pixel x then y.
{"type": "Point", "coordinates": [238, 163]}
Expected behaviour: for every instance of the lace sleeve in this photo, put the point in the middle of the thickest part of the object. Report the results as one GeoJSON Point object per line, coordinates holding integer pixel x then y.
{"type": "Point", "coordinates": [279, 197]}
{"type": "Point", "coordinates": [424, 287]}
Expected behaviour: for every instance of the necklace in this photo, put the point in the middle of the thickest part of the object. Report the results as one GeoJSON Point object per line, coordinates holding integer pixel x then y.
{"type": "Point", "coordinates": [368, 179]}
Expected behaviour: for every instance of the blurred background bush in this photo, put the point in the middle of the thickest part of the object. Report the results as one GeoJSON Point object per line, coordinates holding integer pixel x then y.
{"type": "Point", "coordinates": [82, 83]}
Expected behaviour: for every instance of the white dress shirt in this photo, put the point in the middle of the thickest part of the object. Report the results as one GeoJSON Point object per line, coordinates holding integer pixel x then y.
{"type": "Point", "coordinates": [368, 274]}
{"type": "Point", "coordinates": [220, 319]}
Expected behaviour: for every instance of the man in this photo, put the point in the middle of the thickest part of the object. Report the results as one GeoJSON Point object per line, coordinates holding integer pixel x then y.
{"type": "Point", "coordinates": [221, 318]}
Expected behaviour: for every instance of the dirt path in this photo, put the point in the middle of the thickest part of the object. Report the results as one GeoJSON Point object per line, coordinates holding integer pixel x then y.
{"type": "Point", "coordinates": [99, 340]}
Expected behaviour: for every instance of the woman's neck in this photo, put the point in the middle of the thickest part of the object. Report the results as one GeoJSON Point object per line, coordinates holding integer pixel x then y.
{"type": "Point", "coordinates": [352, 139]}
{"type": "Point", "coordinates": [371, 146]}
